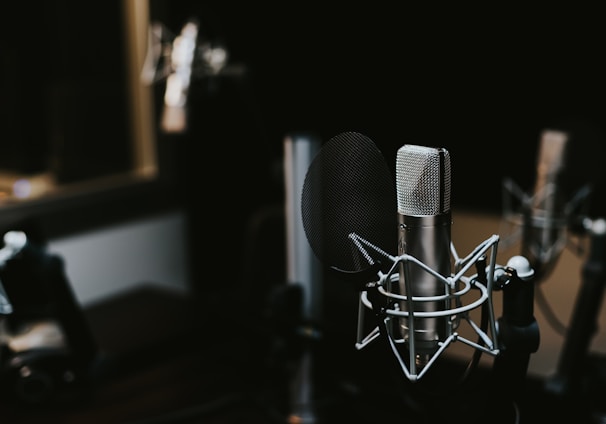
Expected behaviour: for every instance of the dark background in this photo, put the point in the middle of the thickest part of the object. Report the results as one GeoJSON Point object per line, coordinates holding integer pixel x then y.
{"type": "Point", "coordinates": [482, 82]}
{"type": "Point", "coordinates": [63, 106]}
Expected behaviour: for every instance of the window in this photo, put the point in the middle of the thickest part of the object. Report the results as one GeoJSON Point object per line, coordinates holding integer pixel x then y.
{"type": "Point", "coordinates": [75, 112]}
{"type": "Point", "coordinates": [78, 119]}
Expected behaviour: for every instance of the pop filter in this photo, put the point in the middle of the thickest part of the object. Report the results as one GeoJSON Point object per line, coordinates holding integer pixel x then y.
{"type": "Point", "coordinates": [349, 198]}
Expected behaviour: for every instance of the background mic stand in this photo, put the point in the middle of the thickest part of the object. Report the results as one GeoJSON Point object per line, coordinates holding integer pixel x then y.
{"type": "Point", "coordinates": [517, 327]}
{"type": "Point", "coordinates": [572, 377]}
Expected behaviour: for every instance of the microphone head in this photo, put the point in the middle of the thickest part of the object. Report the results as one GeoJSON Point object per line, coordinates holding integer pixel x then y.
{"type": "Point", "coordinates": [423, 180]}
{"type": "Point", "coordinates": [584, 150]}
{"type": "Point", "coordinates": [551, 164]}
{"type": "Point", "coordinates": [552, 147]}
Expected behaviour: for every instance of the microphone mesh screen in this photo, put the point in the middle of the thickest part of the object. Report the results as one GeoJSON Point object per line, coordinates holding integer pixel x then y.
{"type": "Point", "coordinates": [349, 190]}
{"type": "Point", "coordinates": [423, 180]}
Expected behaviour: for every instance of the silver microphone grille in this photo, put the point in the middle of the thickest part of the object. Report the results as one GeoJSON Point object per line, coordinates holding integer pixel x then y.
{"type": "Point", "coordinates": [423, 180]}
{"type": "Point", "coordinates": [550, 163]}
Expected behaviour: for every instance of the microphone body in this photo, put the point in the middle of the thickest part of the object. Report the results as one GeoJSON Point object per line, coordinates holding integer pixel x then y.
{"type": "Point", "coordinates": [424, 232]}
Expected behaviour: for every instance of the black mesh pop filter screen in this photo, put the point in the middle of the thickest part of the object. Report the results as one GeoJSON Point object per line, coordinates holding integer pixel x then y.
{"type": "Point", "coordinates": [349, 191]}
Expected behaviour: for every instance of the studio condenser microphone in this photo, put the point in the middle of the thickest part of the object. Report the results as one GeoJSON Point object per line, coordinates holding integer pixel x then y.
{"type": "Point", "coordinates": [393, 244]}
{"type": "Point", "coordinates": [424, 232]}
{"type": "Point", "coordinates": [544, 229]}
{"type": "Point", "coordinates": [551, 212]}
{"type": "Point", "coordinates": [394, 247]}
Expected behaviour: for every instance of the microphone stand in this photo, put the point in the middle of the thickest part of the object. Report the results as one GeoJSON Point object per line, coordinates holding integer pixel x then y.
{"type": "Point", "coordinates": [517, 327]}
{"type": "Point", "coordinates": [573, 369]}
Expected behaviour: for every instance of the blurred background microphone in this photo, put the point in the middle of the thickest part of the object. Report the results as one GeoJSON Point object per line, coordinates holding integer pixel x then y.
{"type": "Point", "coordinates": [303, 272]}
{"type": "Point", "coordinates": [180, 60]}
{"type": "Point", "coordinates": [549, 218]}
{"type": "Point", "coordinates": [565, 211]}
{"type": "Point", "coordinates": [542, 220]}
{"type": "Point", "coordinates": [179, 78]}
{"type": "Point", "coordinates": [544, 229]}
{"type": "Point", "coordinates": [423, 193]}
